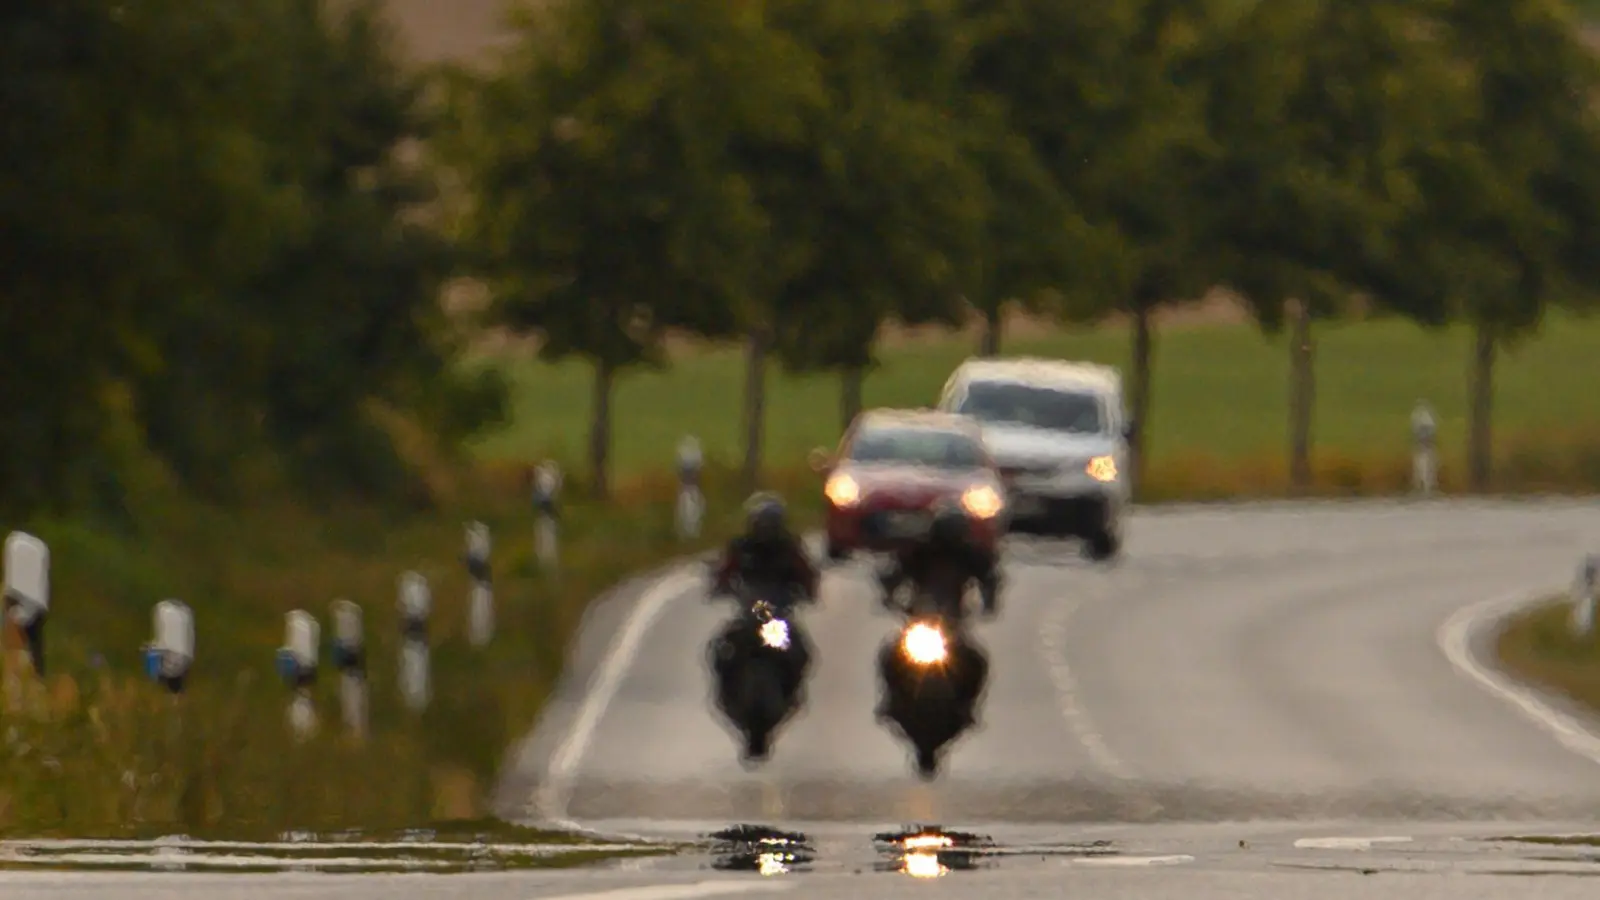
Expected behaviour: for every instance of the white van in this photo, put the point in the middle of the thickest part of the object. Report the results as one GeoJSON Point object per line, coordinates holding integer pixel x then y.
{"type": "Point", "coordinates": [1058, 432]}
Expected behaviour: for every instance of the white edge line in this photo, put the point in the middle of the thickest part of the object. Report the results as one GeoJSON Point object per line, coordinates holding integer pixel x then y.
{"type": "Point", "coordinates": [681, 891]}
{"type": "Point", "coordinates": [552, 796]}
{"type": "Point", "coordinates": [1455, 639]}
{"type": "Point", "coordinates": [1346, 843]}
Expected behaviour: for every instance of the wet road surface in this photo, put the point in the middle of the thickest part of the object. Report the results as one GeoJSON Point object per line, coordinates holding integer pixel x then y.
{"type": "Point", "coordinates": [1306, 669]}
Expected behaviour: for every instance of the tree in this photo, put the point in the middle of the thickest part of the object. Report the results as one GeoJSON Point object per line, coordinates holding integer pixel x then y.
{"type": "Point", "coordinates": [1107, 97]}
{"type": "Point", "coordinates": [1319, 106]}
{"type": "Point", "coordinates": [1512, 212]}
{"type": "Point", "coordinates": [883, 193]}
{"type": "Point", "coordinates": [602, 196]}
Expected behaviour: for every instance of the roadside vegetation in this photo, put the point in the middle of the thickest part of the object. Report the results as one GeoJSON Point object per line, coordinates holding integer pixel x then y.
{"type": "Point", "coordinates": [288, 310]}
{"type": "Point", "coordinates": [1539, 646]}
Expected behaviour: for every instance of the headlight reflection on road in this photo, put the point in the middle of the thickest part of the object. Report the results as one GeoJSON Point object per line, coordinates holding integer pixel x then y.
{"type": "Point", "coordinates": [924, 865]}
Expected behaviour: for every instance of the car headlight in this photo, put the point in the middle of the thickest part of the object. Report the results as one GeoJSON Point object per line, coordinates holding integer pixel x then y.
{"type": "Point", "coordinates": [1102, 468]}
{"type": "Point", "coordinates": [982, 501]}
{"type": "Point", "coordinates": [842, 491]}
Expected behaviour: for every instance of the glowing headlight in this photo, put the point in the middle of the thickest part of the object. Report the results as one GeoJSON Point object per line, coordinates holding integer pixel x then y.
{"type": "Point", "coordinates": [842, 491]}
{"type": "Point", "coordinates": [923, 865]}
{"type": "Point", "coordinates": [1102, 468]}
{"type": "Point", "coordinates": [982, 501]}
{"type": "Point", "coordinates": [924, 644]}
{"type": "Point", "coordinates": [775, 634]}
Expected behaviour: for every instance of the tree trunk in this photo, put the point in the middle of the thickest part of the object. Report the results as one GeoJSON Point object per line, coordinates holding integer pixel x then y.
{"type": "Point", "coordinates": [1480, 379]}
{"type": "Point", "coordinates": [1302, 396]}
{"type": "Point", "coordinates": [600, 431]}
{"type": "Point", "coordinates": [755, 405]}
{"type": "Point", "coordinates": [993, 324]}
{"type": "Point", "coordinates": [1139, 395]}
{"type": "Point", "coordinates": [851, 381]}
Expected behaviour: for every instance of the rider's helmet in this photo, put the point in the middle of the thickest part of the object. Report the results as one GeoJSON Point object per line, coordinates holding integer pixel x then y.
{"type": "Point", "coordinates": [950, 526]}
{"type": "Point", "coordinates": [766, 520]}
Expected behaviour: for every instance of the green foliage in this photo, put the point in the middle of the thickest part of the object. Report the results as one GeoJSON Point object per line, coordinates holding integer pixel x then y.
{"type": "Point", "coordinates": [214, 243]}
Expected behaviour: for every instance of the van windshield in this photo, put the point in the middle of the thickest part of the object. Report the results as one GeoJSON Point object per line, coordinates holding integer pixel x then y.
{"type": "Point", "coordinates": [1037, 407]}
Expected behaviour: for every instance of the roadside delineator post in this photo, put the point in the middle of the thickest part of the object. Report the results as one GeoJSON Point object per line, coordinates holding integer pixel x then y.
{"type": "Point", "coordinates": [546, 488]}
{"type": "Point", "coordinates": [691, 499]}
{"type": "Point", "coordinates": [297, 665]}
{"type": "Point", "coordinates": [26, 606]}
{"type": "Point", "coordinates": [1583, 596]}
{"type": "Point", "coordinates": [1424, 452]}
{"type": "Point", "coordinates": [416, 604]}
{"type": "Point", "coordinates": [350, 658]}
{"type": "Point", "coordinates": [480, 602]}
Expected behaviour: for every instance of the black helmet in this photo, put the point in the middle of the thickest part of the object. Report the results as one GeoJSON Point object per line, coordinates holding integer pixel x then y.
{"type": "Point", "coordinates": [765, 517]}
{"type": "Point", "coordinates": [950, 526]}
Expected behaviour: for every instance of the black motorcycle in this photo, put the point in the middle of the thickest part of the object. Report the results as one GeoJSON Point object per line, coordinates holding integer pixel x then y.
{"type": "Point", "coordinates": [933, 675]}
{"type": "Point", "coordinates": [759, 661]}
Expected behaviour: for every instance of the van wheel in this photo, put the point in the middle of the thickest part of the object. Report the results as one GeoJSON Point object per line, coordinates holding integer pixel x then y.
{"type": "Point", "coordinates": [1103, 546]}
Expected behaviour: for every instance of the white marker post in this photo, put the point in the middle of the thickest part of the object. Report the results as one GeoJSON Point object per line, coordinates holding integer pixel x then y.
{"type": "Point", "coordinates": [1425, 452]}
{"type": "Point", "coordinates": [691, 499]}
{"type": "Point", "coordinates": [416, 603]}
{"type": "Point", "coordinates": [1583, 597]}
{"type": "Point", "coordinates": [546, 488]}
{"type": "Point", "coordinates": [349, 657]}
{"type": "Point", "coordinates": [27, 605]}
{"type": "Point", "coordinates": [297, 665]}
{"type": "Point", "coordinates": [170, 654]}
{"type": "Point", "coordinates": [480, 605]}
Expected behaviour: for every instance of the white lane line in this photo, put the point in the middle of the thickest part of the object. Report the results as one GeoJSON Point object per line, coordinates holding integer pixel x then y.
{"type": "Point", "coordinates": [1053, 640]}
{"type": "Point", "coordinates": [1455, 639]}
{"type": "Point", "coordinates": [1133, 861]}
{"type": "Point", "coordinates": [680, 891]}
{"type": "Point", "coordinates": [555, 789]}
{"type": "Point", "coordinates": [1346, 843]}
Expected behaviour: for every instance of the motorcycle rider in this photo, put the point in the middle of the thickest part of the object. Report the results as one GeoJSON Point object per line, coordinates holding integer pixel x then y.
{"type": "Point", "coordinates": [944, 564]}
{"type": "Point", "coordinates": [772, 563]}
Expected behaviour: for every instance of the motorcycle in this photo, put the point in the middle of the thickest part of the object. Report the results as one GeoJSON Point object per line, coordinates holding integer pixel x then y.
{"type": "Point", "coordinates": [759, 661]}
{"type": "Point", "coordinates": [933, 676]}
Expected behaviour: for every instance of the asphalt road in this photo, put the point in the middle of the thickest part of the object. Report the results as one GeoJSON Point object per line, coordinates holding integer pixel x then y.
{"type": "Point", "coordinates": [1311, 671]}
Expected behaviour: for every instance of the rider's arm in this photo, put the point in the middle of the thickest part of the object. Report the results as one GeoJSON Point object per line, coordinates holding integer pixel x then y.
{"type": "Point", "coordinates": [727, 568]}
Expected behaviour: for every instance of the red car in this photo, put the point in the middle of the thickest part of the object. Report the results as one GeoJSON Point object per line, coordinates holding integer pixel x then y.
{"type": "Point", "coordinates": [893, 466]}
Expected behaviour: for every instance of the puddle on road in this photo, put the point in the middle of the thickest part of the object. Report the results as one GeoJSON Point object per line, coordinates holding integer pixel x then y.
{"type": "Point", "coordinates": [415, 851]}
{"type": "Point", "coordinates": [760, 849]}
{"type": "Point", "coordinates": [918, 851]}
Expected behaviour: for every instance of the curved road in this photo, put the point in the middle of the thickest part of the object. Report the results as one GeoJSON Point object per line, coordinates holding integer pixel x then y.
{"type": "Point", "coordinates": [1248, 693]}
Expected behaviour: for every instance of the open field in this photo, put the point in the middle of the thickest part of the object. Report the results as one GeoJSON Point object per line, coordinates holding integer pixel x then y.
{"type": "Point", "coordinates": [1220, 393]}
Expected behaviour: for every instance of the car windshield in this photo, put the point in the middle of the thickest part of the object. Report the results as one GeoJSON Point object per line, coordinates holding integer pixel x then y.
{"type": "Point", "coordinates": [916, 447]}
{"type": "Point", "coordinates": [1020, 404]}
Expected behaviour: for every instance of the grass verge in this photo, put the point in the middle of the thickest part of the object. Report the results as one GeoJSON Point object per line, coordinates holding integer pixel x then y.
{"type": "Point", "coordinates": [1538, 646]}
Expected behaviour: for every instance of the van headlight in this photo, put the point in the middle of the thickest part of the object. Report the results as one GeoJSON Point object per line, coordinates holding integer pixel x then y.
{"type": "Point", "coordinates": [1102, 469]}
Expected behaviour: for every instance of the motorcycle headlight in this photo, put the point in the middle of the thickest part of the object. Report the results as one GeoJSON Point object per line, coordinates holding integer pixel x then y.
{"type": "Point", "coordinates": [775, 634]}
{"type": "Point", "coordinates": [982, 502]}
{"type": "Point", "coordinates": [924, 644]}
{"type": "Point", "coordinates": [842, 491]}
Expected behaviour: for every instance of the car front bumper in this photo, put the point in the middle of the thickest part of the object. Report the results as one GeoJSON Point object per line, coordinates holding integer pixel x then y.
{"type": "Point", "coordinates": [882, 528]}
{"type": "Point", "coordinates": [1071, 495]}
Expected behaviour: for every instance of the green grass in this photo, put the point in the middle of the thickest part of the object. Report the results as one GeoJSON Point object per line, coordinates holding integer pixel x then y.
{"type": "Point", "coordinates": [1219, 392]}
{"type": "Point", "coordinates": [1538, 646]}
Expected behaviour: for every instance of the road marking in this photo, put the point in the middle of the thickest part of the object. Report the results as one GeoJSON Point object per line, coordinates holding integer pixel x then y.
{"type": "Point", "coordinates": [1133, 861]}
{"type": "Point", "coordinates": [1455, 639]}
{"type": "Point", "coordinates": [1052, 637]}
{"type": "Point", "coordinates": [679, 891]}
{"type": "Point", "coordinates": [555, 789]}
{"type": "Point", "coordinates": [1346, 843]}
